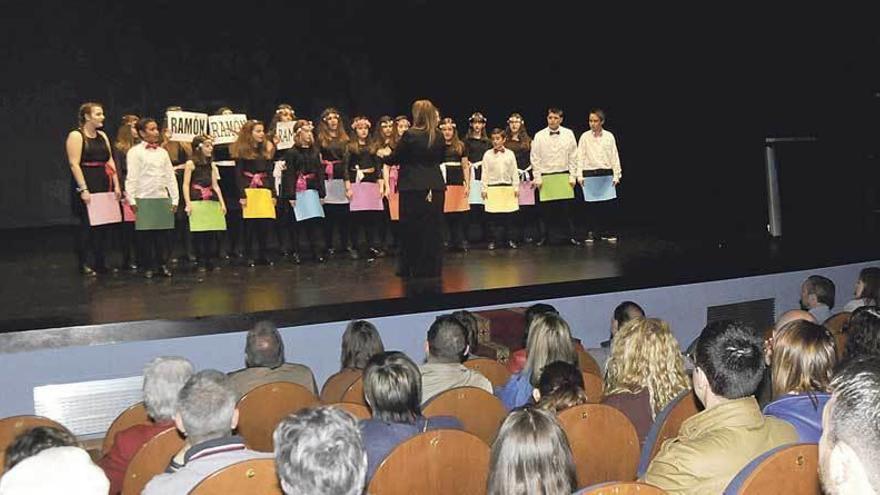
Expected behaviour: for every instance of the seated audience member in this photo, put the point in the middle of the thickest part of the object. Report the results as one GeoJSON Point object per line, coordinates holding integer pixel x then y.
{"type": "Point", "coordinates": [206, 415]}
{"type": "Point", "coordinates": [561, 387]}
{"type": "Point", "coordinates": [817, 297]}
{"type": "Point", "coordinates": [531, 455]}
{"type": "Point", "coordinates": [765, 388]}
{"type": "Point", "coordinates": [472, 325]}
{"type": "Point", "coordinates": [264, 361]}
{"type": "Point", "coordinates": [518, 358]}
{"type": "Point", "coordinates": [867, 291]}
{"type": "Point", "coordinates": [445, 348]}
{"type": "Point", "coordinates": [319, 451]}
{"type": "Point", "coordinates": [715, 444]}
{"type": "Point", "coordinates": [393, 390]}
{"type": "Point", "coordinates": [849, 451]}
{"type": "Point", "coordinates": [863, 333]}
{"type": "Point", "coordinates": [645, 372]}
{"type": "Point", "coordinates": [46, 461]}
{"type": "Point", "coordinates": [803, 359]}
{"type": "Point", "coordinates": [360, 342]}
{"type": "Point", "coordinates": [549, 341]}
{"type": "Point", "coordinates": [163, 379]}
{"type": "Point", "coordinates": [624, 312]}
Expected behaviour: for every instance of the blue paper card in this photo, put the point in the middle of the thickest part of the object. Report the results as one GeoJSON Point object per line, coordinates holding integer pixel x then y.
{"type": "Point", "coordinates": [600, 188]}
{"type": "Point", "coordinates": [308, 205]}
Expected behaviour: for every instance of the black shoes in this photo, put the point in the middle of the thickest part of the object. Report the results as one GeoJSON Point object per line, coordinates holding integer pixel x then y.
{"type": "Point", "coordinates": [87, 271]}
{"type": "Point", "coordinates": [491, 246]}
{"type": "Point", "coordinates": [575, 242]}
{"type": "Point", "coordinates": [164, 271]}
{"type": "Point", "coordinates": [512, 245]}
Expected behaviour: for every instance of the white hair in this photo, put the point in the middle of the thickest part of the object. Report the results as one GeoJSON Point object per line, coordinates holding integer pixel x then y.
{"type": "Point", "coordinates": [163, 379]}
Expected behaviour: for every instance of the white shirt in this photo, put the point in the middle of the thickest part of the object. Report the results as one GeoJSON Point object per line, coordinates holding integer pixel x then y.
{"type": "Point", "coordinates": [554, 153]}
{"type": "Point", "coordinates": [150, 174]}
{"type": "Point", "coordinates": [598, 152]}
{"type": "Point", "coordinates": [499, 168]}
{"type": "Point", "coordinates": [56, 470]}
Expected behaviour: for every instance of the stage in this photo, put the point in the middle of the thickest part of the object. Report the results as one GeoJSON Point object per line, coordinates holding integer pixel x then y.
{"type": "Point", "coordinates": [47, 304]}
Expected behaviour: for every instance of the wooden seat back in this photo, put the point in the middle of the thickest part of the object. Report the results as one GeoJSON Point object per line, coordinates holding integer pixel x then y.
{"type": "Point", "coordinates": [480, 412]}
{"type": "Point", "coordinates": [335, 386]}
{"type": "Point", "coordinates": [603, 442]}
{"type": "Point", "coordinates": [792, 468]}
{"type": "Point", "coordinates": [256, 476]}
{"type": "Point", "coordinates": [13, 426]}
{"type": "Point", "coordinates": [151, 459]}
{"type": "Point", "coordinates": [355, 392]}
{"type": "Point", "coordinates": [587, 363]}
{"type": "Point", "coordinates": [261, 409]}
{"type": "Point", "coordinates": [496, 372]}
{"type": "Point", "coordinates": [621, 488]}
{"type": "Point", "coordinates": [667, 424]}
{"type": "Point", "coordinates": [593, 386]}
{"type": "Point", "coordinates": [359, 411]}
{"type": "Point", "coordinates": [136, 414]}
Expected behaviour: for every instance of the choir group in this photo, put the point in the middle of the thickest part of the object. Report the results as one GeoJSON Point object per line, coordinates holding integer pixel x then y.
{"type": "Point", "coordinates": [333, 191]}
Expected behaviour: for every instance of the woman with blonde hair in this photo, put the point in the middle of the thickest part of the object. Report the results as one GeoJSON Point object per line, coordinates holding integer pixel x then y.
{"type": "Point", "coordinates": [422, 192]}
{"type": "Point", "coordinates": [531, 455]}
{"type": "Point", "coordinates": [645, 372]}
{"type": "Point", "coordinates": [549, 341]}
{"type": "Point", "coordinates": [804, 356]}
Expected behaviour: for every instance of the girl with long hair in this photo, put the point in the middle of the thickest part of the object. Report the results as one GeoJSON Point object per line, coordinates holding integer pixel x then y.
{"type": "Point", "coordinates": [561, 387]}
{"type": "Point", "coordinates": [360, 342]}
{"type": "Point", "coordinates": [253, 153]}
{"type": "Point", "coordinates": [867, 291]}
{"type": "Point", "coordinates": [201, 192]}
{"type": "Point", "coordinates": [285, 224]}
{"type": "Point", "coordinates": [229, 186]}
{"type": "Point", "coordinates": [422, 192]}
{"type": "Point", "coordinates": [126, 138]}
{"type": "Point", "coordinates": [303, 183]}
{"type": "Point", "coordinates": [180, 153]}
{"type": "Point", "coordinates": [531, 455]}
{"type": "Point", "coordinates": [333, 144]}
{"type": "Point", "coordinates": [457, 176]}
{"type": "Point", "coordinates": [384, 134]}
{"type": "Point", "coordinates": [802, 365]}
{"type": "Point", "coordinates": [645, 372]}
{"type": "Point", "coordinates": [90, 157]}
{"type": "Point", "coordinates": [363, 187]}
{"type": "Point", "coordinates": [476, 144]}
{"type": "Point", "coordinates": [391, 174]}
{"type": "Point", "coordinates": [518, 141]}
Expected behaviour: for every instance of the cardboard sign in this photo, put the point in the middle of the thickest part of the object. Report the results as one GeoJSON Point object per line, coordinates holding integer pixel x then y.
{"type": "Point", "coordinates": [185, 126]}
{"type": "Point", "coordinates": [259, 203]}
{"type": "Point", "coordinates": [206, 216]}
{"type": "Point", "coordinates": [599, 188]}
{"type": "Point", "coordinates": [365, 197]}
{"type": "Point", "coordinates": [154, 214]}
{"type": "Point", "coordinates": [501, 199]}
{"type": "Point", "coordinates": [308, 205]}
{"type": "Point", "coordinates": [284, 131]}
{"type": "Point", "coordinates": [104, 209]}
{"type": "Point", "coordinates": [224, 128]}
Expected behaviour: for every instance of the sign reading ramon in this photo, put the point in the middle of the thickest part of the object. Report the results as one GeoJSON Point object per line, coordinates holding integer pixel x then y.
{"type": "Point", "coordinates": [224, 128]}
{"type": "Point", "coordinates": [184, 126]}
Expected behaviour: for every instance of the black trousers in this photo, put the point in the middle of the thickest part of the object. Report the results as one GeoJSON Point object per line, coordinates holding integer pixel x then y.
{"type": "Point", "coordinates": [207, 246]}
{"type": "Point", "coordinates": [256, 231]}
{"type": "Point", "coordinates": [421, 237]}
{"type": "Point", "coordinates": [128, 244]}
{"type": "Point", "coordinates": [92, 243]}
{"type": "Point", "coordinates": [477, 216]}
{"type": "Point", "coordinates": [286, 230]}
{"type": "Point", "coordinates": [234, 236]}
{"type": "Point", "coordinates": [366, 223]}
{"type": "Point", "coordinates": [337, 218]}
{"type": "Point", "coordinates": [503, 223]}
{"type": "Point", "coordinates": [153, 248]}
{"type": "Point", "coordinates": [311, 231]}
{"type": "Point", "coordinates": [527, 222]}
{"type": "Point", "coordinates": [456, 222]}
{"type": "Point", "coordinates": [556, 217]}
{"type": "Point", "coordinates": [600, 217]}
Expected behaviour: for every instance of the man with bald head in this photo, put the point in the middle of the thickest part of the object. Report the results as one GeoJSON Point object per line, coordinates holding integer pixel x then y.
{"type": "Point", "coordinates": [264, 361]}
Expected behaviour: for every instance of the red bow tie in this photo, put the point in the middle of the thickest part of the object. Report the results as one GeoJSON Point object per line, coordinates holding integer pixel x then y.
{"type": "Point", "coordinates": [152, 146]}
{"type": "Point", "coordinates": [498, 151]}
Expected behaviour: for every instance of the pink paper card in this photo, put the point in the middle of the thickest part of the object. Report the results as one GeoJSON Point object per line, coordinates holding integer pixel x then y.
{"type": "Point", "coordinates": [104, 209]}
{"type": "Point", "coordinates": [365, 197]}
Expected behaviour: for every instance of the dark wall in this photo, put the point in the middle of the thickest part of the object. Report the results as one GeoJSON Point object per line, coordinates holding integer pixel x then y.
{"type": "Point", "coordinates": [690, 95]}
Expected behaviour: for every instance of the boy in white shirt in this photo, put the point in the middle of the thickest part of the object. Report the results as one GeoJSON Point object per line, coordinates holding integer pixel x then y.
{"type": "Point", "coordinates": [500, 171]}
{"type": "Point", "coordinates": [554, 160]}
{"type": "Point", "coordinates": [598, 157]}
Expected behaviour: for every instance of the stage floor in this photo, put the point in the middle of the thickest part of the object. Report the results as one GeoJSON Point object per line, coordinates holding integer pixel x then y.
{"type": "Point", "coordinates": [41, 289]}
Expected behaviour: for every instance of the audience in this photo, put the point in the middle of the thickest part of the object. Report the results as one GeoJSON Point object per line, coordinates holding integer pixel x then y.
{"type": "Point", "coordinates": [446, 348]}
{"type": "Point", "coordinates": [549, 341]}
{"type": "Point", "coordinates": [863, 333]}
{"type": "Point", "coordinates": [472, 326]}
{"type": "Point", "coordinates": [561, 387]}
{"type": "Point", "coordinates": [393, 390]}
{"type": "Point", "coordinates": [817, 297]}
{"type": "Point", "coordinates": [206, 415]}
{"type": "Point", "coordinates": [163, 379]}
{"type": "Point", "coordinates": [645, 372]}
{"type": "Point", "coordinates": [803, 359]}
{"type": "Point", "coordinates": [867, 291]}
{"type": "Point", "coordinates": [48, 462]}
{"type": "Point", "coordinates": [319, 451]}
{"type": "Point", "coordinates": [849, 451]}
{"type": "Point", "coordinates": [715, 444]}
{"type": "Point", "coordinates": [360, 342]}
{"type": "Point", "coordinates": [624, 312]}
{"type": "Point", "coordinates": [264, 361]}
{"type": "Point", "coordinates": [531, 455]}
{"type": "Point", "coordinates": [765, 389]}
{"type": "Point", "coordinates": [517, 360]}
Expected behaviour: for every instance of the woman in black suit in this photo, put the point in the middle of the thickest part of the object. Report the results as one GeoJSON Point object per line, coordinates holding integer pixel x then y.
{"type": "Point", "coordinates": [422, 192]}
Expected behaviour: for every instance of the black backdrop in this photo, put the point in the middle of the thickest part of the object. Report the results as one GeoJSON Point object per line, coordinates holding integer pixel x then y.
{"type": "Point", "coordinates": [690, 94]}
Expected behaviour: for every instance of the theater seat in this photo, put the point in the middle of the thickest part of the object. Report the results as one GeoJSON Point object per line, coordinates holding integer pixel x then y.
{"type": "Point", "coordinates": [666, 425]}
{"type": "Point", "coordinates": [136, 414]}
{"type": "Point", "coordinates": [480, 412]}
{"type": "Point", "coordinates": [13, 426]}
{"type": "Point", "coordinates": [437, 462]}
{"type": "Point", "coordinates": [837, 324]}
{"type": "Point", "coordinates": [151, 459]}
{"type": "Point", "coordinates": [621, 488]}
{"type": "Point", "coordinates": [587, 363]}
{"type": "Point", "coordinates": [493, 370]}
{"type": "Point", "coordinates": [335, 386]}
{"type": "Point", "coordinates": [603, 442]}
{"type": "Point", "coordinates": [359, 411]}
{"type": "Point", "coordinates": [254, 476]}
{"type": "Point", "coordinates": [593, 386]}
{"type": "Point", "coordinates": [261, 409]}
{"type": "Point", "coordinates": [355, 392]}
{"type": "Point", "coordinates": [792, 468]}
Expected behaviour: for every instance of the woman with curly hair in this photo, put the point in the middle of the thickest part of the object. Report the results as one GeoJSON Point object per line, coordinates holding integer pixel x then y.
{"type": "Point", "coordinates": [644, 372]}
{"type": "Point", "coordinates": [863, 333]}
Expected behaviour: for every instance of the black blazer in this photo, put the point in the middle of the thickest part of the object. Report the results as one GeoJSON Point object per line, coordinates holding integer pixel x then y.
{"type": "Point", "coordinates": [419, 163]}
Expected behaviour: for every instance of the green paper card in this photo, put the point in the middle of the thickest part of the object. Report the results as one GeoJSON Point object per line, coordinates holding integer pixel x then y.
{"type": "Point", "coordinates": [154, 214]}
{"type": "Point", "coordinates": [555, 187]}
{"type": "Point", "coordinates": [206, 216]}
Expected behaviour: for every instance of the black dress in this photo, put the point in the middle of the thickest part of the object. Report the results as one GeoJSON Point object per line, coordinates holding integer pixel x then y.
{"type": "Point", "coordinates": [256, 172]}
{"type": "Point", "coordinates": [93, 160]}
{"type": "Point", "coordinates": [422, 193]}
{"type": "Point", "coordinates": [98, 178]}
{"type": "Point", "coordinates": [337, 213]}
{"type": "Point", "coordinates": [361, 157]}
{"type": "Point", "coordinates": [305, 163]}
